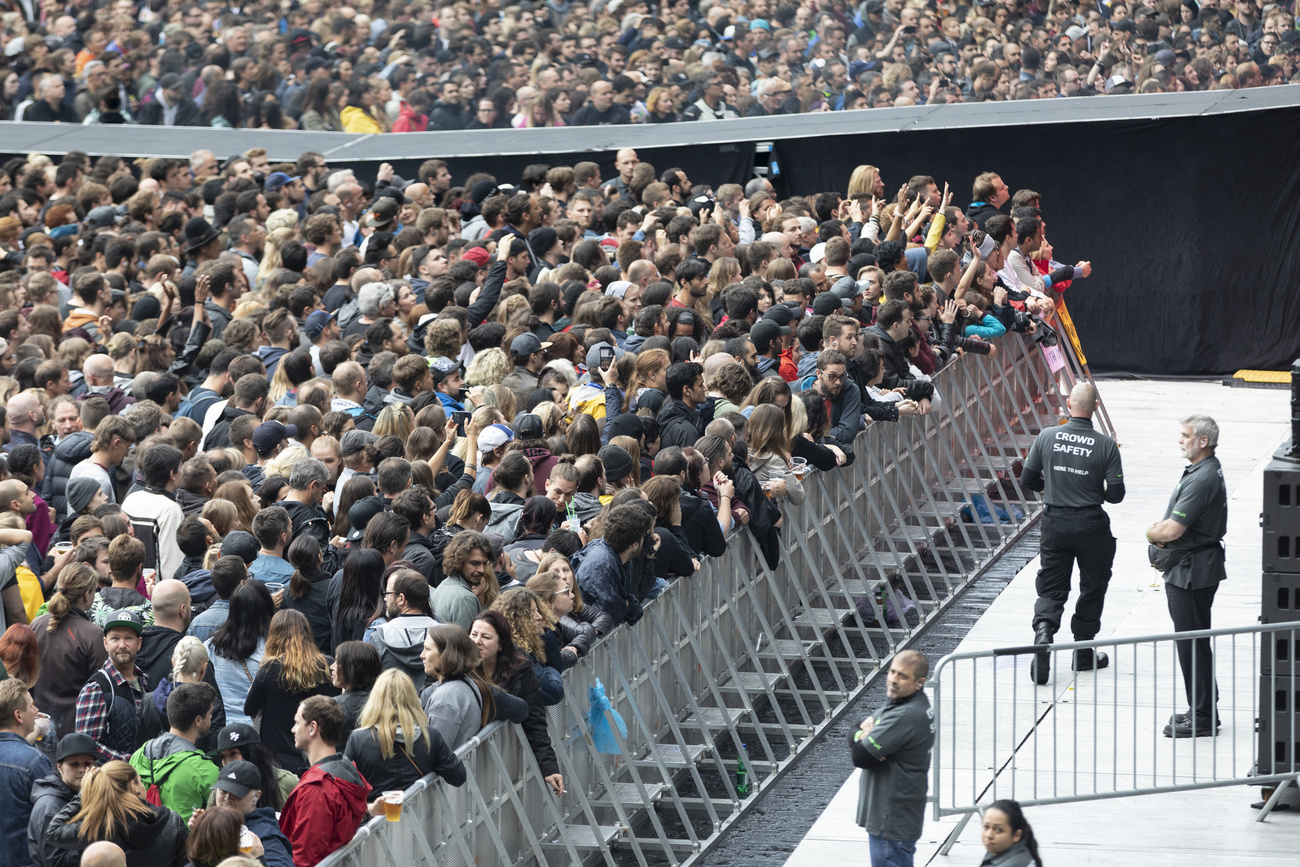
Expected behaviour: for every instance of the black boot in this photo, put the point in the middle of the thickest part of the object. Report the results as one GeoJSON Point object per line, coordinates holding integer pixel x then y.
{"type": "Point", "coordinates": [1040, 666]}
{"type": "Point", "coordinates": [1090, 660]}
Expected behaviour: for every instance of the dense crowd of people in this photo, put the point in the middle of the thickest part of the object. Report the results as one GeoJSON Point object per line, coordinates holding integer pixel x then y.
{"type": "Point", "coordinates": [306, 480]}
{"type": "Point", "coordinates": [375, 67]}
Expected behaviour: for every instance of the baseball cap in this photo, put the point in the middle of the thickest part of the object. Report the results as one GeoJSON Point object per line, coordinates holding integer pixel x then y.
{"type": "Point", "coordinates": [238, 778]}
{"type": "Point", "coordinates": [125, 617]}
{"type": "Point", "coordinates": [360, 514]}
{"type": "Point", "coordinates": [494, 437]}
{"type": "Point", "coordinates": [316, 323]}
{"type": "Point", "coordinates": [76, 744]}
{"type": "Point", "coordinates": [442, 367]}
{"type": "Point", "coordinates": [618, 288]}
{"type": "Point", "coordinates": [593, 355]}
{"type": "Point", "coordinates": [236, 735]}
{"type": "Point", "coordinates": [382, 214]}
{"type": "Point", "coordinates": [276, 180]}
{"type": "Point", "coordinates": [478, 255]}
{"type": "Point", "coordinates": [241, 544]}
{"type": "Point", "coordinates": [270, 434]}
{"type": "Point", "coordinates": [101, 217]}
{"type": "Point", "coordinates": [764, 332]}
{"type": "Point", "coordinates": [529, 426]}
{"type": "Point", "coordinates": [817, 253]}
{"type": "Point", "coordinates": [760, 24]}
{"type": "Point", "coordinates": [527, 344]}
{"type": "Point", "coordinates": [846, 289]}
{"type": "Point", "coordinates": [781, 314]}
{"type": "Point", "coordinates": [355, 440]}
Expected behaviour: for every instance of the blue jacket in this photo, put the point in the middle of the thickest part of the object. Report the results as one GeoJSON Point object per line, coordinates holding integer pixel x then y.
{"type": "Point", "coordinates": [262, 822]}
{"type": "Point", "coordinates": [606, 582]}
{"type": "Point", "coordinates": [21, 765]}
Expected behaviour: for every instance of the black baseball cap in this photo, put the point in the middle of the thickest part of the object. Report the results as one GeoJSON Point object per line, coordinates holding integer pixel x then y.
{"type": "Point", "coordinates": [240, 544]}
{"type": "Point", "coordinates": [236, 736]}
{"type": "Point", "coordinates": [76, 744]}
{"type": "Point", "coordinates": [238, 778]}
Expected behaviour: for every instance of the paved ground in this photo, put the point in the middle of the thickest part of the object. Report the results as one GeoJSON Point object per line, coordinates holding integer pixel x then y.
{"type": "Point", "coordinates": [1164, 829]}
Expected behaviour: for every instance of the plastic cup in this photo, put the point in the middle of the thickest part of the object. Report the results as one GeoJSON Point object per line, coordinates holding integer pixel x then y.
{"type": "Point", "coordinates": [393, 805]}
{"type": "Point", "coordinates": [245, 840]}
{"type": "Point", "coordinates": [43, 726]}
{"type": "Point", "coordinates": [63, 546]}
{"type": "Point", "coordinates": [799, 467]}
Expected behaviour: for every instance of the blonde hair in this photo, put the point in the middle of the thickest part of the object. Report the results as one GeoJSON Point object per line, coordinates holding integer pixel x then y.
{"type": "Point", "coordinates": [189, 657]}
{"type": "Point", "coordinates": [275, 240]}
{"type": "Point", "coordinates": [393, 705]}
{"type": "Point", "coordinates": [545, 585]}
{"type": "Point", "coordinates": [280, 384]}
{"type": "Point", "coordinates": [489, 367]}
{"type": "Point", "coordinates": [109, 802]}
{"type": "Point", "coordinates": [394, 420]}
{"type": "Point", "coordinates": [282, 464]}
{"type": "Point", "coordinates": [863, 181]}
{"type": "Point", "coordinates": [223, 515]}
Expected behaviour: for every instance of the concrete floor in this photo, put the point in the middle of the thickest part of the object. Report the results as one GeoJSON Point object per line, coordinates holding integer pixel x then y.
{"type": "Point", "coordinates": [1109, 721]}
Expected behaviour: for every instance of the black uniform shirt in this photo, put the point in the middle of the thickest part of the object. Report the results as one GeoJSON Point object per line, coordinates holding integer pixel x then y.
{"type": "Point", "coordinates": [1075, 463]}
{"type": "Point", "coordinates": [1200, 503]}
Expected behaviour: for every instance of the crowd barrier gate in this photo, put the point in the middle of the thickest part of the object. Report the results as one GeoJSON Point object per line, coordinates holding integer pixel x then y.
{"type": "Point", "coordinates": [745, 664]}
{"type": "Point", "coordinates": [1097, 735]}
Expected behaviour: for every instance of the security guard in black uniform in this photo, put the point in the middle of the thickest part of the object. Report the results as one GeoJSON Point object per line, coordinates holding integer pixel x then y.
{"type": "Point", "coordinates": [1077, 469]}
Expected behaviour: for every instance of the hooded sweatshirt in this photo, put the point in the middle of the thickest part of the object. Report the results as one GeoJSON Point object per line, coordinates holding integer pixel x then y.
{"type": "Point", "coordinates": [325, 810]}
{"type": "Point", "coordinates": [184, 774]}
{"type": "Point", "coordinates": [507, 506]}
{"type": "Point", "coordinates": [279, 853]}
{"type": "Point", "coordinates": [400, 642]}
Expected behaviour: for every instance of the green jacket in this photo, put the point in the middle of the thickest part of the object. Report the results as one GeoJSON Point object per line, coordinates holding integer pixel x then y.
{"type": "Point", "coordinates": [184, 774]}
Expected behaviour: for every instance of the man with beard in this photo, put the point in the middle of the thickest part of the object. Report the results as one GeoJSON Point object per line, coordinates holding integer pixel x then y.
{"type": "Point", "coordinates": [466, 560]}
{"type": "Point", "coordinates": [109, 704]}
{"type": "Point", "coordinates": [25, 416]}
{"type": "Point", "coordinates": [401, 639]}
{"type": "Point", "coordinates": [172, 760]}
{"type": "Point", "coordinates": [844, 405]}
{"type": "Point", "coordinates": [247, 239]}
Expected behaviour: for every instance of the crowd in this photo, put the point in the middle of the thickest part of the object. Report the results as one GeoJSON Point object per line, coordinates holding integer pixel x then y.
{"type": "Point", "coordinates": [375, 67]}
{"type": "Point", "coordinates": [305, 481]}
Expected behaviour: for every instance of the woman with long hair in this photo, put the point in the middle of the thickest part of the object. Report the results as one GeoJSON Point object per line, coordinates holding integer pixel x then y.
{"type": "Point", "coordinates": [354, 671]}
{"type": "Point", "coordinates": [394, 420]}
{"type": "Point", "coordinates": [659, 102]}
{"type": "Point", "coordinates": [1008, 840]}
{"type": "Point", "coordinates": [461, 700]}
{"type": "Point", "coordinates": [583, 615]}
{"type": "Point", "coordinates": [555, 602]}
{"type": "Point", "coordinates": [21, 654]}
{"type": "Point", "coordinates": [723, 273]}
{"type": "Point", "coordinates": [215, 836]}
{"type": "Point", "coordinates": [542, 112]}
{"type": "Point", "coordinates": [271, 262]}
{"type": "Point", "coordinates": [319, 112]}
{"type": "Point", "coordinates": [673, 559]}
{"type": "Point", "coordinates": [509, 668]}
{"type": "Point", "coordinates": [293, 669]}
{"type": "Point", "coordinates": [769, 453]}
{"type": "Point", "coordinates": [237, 647]}
{"type": "Point", "coordinates": [583, 436]}
{"type": "Point", "coordinates": [393, 744]}
{"type": "Point", "coordinates": [358, 116]}
{"type": "Point", "coordinates": [356, 488]}
{"type": "Point", "coordinates": [70, 643]}
{"type": "Point", "coordinates": [309, 589]}
{"type": "Point", "coordinates": [360, 598]}
{"type": "Point", "coordinates": [189, 665]}
{"type": "Point", "coordinates": [240, 741]}
{"type": "Point", "coordinates": [866, 181]}
{"type": "Point", "coordinates": [111, 806]}
{"type": "Point", "coordinates": [240, 494]}
{"type": "Point", "coordinates": [223, 105]}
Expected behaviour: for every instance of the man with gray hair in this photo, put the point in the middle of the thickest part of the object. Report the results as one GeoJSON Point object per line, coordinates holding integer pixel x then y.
{"type": "Point", "coordinates": [374, 301]}
{"type": "Point", "coordinates": [308, 496]}
{"type": "Point", "coordinates": [1187, 547]}
{"type": "Point", "coordinates": [51, 107]}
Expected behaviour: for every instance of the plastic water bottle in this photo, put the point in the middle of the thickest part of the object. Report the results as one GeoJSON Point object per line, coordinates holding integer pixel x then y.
{"type": "Point", "coordinates": [742, 775]}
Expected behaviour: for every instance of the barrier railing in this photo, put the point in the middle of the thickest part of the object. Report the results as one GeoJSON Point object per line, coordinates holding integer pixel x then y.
{"type": "Point", "coordinates": [742, 665]}
{"type": "Point", "coordinates": [1095, 735]}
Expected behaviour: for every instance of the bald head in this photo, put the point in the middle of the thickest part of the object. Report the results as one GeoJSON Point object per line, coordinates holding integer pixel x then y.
{"type": "Point", "coordinates": [916, 661]}
{"type": "Point", "coordinates": [1082, 401]}
{"type": "Point", "coordinates": [170, 598]}
{"type": "Point", "coordinates": [103, 854]}
{"type": "Point", "coordinates": [11, 491]}
{"type": "Point", "coordinates": [98, 369]}
{"type": "Point", "coordinates": [22, 405]}
{"type": "Point", "coordinates": [715, 362]}
{"type": "Point", "coordinates": [642, 272]}
{"type": "Point", "coordinates": [362, 276]}
{"type": "Point", "coordinates": [420, 194]}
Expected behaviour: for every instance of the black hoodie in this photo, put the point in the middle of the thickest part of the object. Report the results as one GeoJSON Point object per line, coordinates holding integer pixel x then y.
{"type": "Point", "coordinates": [219, 436]}
{"type": "Point", "coordinates": [153, 840]}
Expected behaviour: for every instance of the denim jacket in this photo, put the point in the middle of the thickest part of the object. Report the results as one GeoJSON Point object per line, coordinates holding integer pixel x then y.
{"type": "Point", "coordinates": [21, 765]}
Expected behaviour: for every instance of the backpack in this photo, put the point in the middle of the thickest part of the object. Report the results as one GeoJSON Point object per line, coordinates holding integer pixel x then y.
{"type": "Point", "coordinates": [128, 731]}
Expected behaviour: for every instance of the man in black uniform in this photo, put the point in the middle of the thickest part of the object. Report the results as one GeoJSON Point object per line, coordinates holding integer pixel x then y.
{"type": "Point", "coordinates": [893, 749]}
{"type": "Point", "coordinates": [1195, 521]}
{"type": "Point", "coordinates": [1077, 469]}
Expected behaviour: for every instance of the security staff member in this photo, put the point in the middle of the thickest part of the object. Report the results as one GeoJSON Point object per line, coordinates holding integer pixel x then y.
{"type": "Point", "coordinates": [1077, 469]}
{"type": "Point", "coordinates": [1195, 521]}
{"type": "Point", "coordinates": [893, 750]}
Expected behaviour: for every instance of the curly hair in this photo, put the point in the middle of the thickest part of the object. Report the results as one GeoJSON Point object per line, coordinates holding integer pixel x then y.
{"type": "Point", "coordinates": [517, 605]}
{"type": "Point", "coordinates": [489, 367]}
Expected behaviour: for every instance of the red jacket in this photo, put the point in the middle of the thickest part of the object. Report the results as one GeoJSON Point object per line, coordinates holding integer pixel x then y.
{"type": "Point", "coordinates": [324, 810]}
{"type": "Point", "coordinates": [409, 121]}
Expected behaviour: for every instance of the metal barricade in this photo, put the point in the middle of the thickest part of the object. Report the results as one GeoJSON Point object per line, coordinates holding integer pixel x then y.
{"type": "Point", "coordinates": [1096, 735]}
{"type": "Point", "coordinates": [744, 665]}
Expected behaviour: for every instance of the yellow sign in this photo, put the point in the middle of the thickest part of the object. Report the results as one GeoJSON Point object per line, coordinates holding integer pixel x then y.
{"type": "Point", "coordinates": [1068, 323]}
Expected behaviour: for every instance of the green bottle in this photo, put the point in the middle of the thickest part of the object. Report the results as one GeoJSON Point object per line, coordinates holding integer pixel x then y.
{"type": "Point", "coordinates": [742, 775]}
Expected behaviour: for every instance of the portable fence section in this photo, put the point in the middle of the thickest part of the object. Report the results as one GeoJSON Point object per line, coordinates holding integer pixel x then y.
{"type": "Point", "coordinates": [1097, 735]}
{"type": "Point", "coordinates": [742, 665]}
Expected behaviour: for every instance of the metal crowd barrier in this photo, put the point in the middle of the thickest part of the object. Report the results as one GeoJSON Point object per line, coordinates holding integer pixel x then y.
{"type": "Point", "coordinates": [742, 665]}
{"type": "Point", "coordinates": [1095, 735]}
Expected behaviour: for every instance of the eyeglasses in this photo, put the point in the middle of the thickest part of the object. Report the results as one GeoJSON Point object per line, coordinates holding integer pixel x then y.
{"type": "Point", "coordinates": [388, 593]}
{"type": "Point", "coordinates": [835, 377]}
